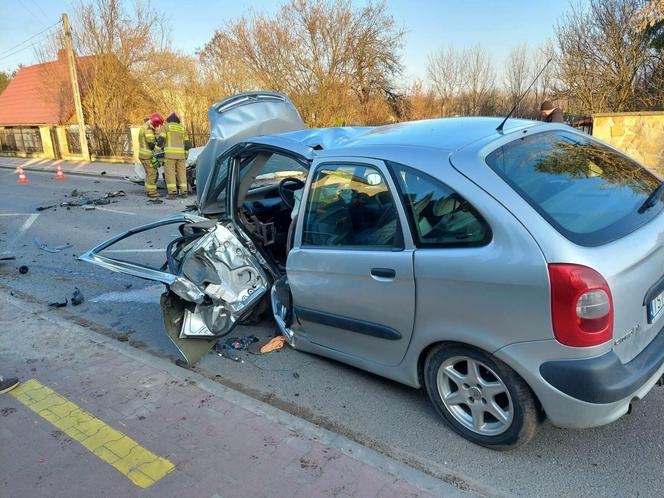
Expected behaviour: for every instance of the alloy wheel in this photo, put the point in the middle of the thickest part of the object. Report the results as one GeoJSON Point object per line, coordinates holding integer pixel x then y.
{"type": "Point", "coordinates": [475, 396]}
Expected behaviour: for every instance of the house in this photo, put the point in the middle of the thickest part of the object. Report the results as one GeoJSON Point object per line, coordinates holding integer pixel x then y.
{"type": "Point", "coordinates": [37, 117]}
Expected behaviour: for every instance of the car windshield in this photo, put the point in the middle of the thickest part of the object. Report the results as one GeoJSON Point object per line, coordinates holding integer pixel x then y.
{"type": "Point", "coordinates": [590, 193]}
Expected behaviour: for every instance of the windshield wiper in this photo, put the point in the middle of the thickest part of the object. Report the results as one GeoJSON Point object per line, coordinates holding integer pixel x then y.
{"type": "Point", "coordinates": [652, 199]}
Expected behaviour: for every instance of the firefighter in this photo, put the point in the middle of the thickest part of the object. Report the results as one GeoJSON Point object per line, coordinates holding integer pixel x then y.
{"type": "Point", "coordinates": [147, 140]}
{"type": "Point", "coordinates": [174, 141]}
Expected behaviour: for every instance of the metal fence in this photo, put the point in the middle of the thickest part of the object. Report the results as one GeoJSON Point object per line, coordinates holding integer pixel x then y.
{"type": "Point", "coordinates": [21, 139]}
{"type": "Point", "coordinates": [583, 123]}
{"type": "Point", "coordinates": [100, 144]}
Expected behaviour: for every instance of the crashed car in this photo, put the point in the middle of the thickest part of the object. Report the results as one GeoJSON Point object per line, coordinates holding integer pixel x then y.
{"type": "Point", "coordinates": [514, 271]}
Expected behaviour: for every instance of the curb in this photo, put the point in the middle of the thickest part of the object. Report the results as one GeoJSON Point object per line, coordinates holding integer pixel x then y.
{"type": "Point", "coordinates": [73, 172]}
{"type": "Point", "coordinates": [371, 457]}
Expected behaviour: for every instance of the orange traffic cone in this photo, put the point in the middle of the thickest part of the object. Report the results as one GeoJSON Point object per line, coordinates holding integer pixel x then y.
{"type": "Point", "coordinates": [60, 174]}
{"type": "Point", "coordinates": [21, 176]}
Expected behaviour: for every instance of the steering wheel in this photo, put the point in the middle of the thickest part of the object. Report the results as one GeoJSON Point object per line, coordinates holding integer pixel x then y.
{"type": "Point", "coordinates": [286, 193]}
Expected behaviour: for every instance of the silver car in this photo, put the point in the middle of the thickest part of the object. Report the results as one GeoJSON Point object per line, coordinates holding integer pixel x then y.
{"type": "Point", "coordinates": [515, 274]}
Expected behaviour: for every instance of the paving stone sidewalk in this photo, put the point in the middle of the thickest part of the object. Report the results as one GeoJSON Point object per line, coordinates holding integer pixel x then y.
{"type": "Point", "coordinates": [221, 442]}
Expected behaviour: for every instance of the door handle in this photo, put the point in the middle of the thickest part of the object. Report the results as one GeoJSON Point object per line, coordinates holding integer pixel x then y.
{"type": "Point", "coordinates": [383, 273]}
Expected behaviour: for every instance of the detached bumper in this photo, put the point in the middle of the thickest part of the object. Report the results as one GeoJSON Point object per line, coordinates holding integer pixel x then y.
{"type": "Point", "coordinates": [604, 379]}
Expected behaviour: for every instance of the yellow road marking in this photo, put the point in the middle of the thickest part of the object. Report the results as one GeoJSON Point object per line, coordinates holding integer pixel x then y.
{"type": "Point", "coordinates": [141, 466]}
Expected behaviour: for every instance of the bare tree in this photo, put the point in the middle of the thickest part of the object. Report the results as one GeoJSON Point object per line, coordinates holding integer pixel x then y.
{"type": "Point", "coordinates": [546, 86]}
{"type": "Point", "coordinates": [445, 76]}
{"type": "Point", "coordinates": [603, 55]}
{"type": "Point", "coordinates": [478, 82]}
{"type": "Point", "coordinates": [339, 64]}
{"type": "Point", "coordinates": [518, 74]}
{"type": "Point", "coordinates": [123, 64]}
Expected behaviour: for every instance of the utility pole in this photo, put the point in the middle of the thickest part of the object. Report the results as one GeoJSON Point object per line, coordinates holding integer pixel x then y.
{"type": "Point", "coordinates": [75, 91]}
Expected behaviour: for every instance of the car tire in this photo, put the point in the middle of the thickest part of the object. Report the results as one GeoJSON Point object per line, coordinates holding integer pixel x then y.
{"type": "Point", "coordinates": [498, 411]}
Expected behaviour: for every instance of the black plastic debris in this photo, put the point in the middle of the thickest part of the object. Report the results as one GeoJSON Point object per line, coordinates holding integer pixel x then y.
{"type": "Point", "coordinates": [23, 269]}
{"type": "Point", "coordinates": [85, 200]}
{"type": "Point", "coordinates": [7, 257]}
{"type": "Point", "coordinates": [77, 297]}
{"type": "Point", "coordinates": [74, 193]}
{"type": "Point", "coordinates": [44, 208]}
{"type": "Point", "coordinates": [155, 201]}
{"type": "Point", "coordinates": [58, 304]}
{"type": "Point", "coordinates": [102, 173]}
{"type": "Point", "coordinates": [239, 344]}
{"type": "Point", "coordinates": [39, 243]}
{"type": "Point", "coordinates": [296, 375]}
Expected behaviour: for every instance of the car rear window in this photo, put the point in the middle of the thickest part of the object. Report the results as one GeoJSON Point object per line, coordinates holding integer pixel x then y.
{"type": "Point", "coordinates": [585, 190]}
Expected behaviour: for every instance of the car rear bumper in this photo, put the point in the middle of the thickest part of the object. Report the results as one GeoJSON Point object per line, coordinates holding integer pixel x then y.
{"type": "Point", "coordinates": [604, 379]}
{"type": "Point", "coordinates": [585, 392]}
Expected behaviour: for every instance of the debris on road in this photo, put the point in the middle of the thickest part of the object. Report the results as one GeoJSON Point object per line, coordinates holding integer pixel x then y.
{"type": "Point", "coordinates": [102, 173]}
{"type": "Point", "coordinates": [230, 347]}
{"type": "Point", "coordinates": [155, 201]}
{"type": "Point", "coordinates": [77, 297]}
{"type": "Point", "coordinates": [273, 344]}
{"type": "Point", "coordinates": [39, 243]}
{"type": "Point", "coordinates": [5, 256]}
{"type": "Point", "coordinates": [23, 269]}
{"type": "Point", "coordinates": [83, 200]}
{"type": "Point", "coordinates": [44, 208]}
{"type": "Point", "coordinates": [58, 304]}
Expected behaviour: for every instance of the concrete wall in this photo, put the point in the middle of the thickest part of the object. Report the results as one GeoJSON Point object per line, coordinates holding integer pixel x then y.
{"type": "Point", "coordinates": [639, 134]}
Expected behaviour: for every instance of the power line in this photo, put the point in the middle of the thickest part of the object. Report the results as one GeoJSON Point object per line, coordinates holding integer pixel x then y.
{"type": "Point", "coordinates": [30, 38]}
{"type": "Point", "coordinates": [39, 10]}
{"type": "Point", "coordinates": [16, 52]}
{"type": "Point", "coordinates": [29, 11]}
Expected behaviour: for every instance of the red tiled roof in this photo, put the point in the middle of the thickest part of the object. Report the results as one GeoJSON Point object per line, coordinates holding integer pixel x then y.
{"type": "Point", "coordinates": [40, 94]}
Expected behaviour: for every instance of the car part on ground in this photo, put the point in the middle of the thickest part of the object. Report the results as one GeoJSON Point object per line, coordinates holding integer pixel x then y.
{"type": "Point", "coordinates": [52, 249]}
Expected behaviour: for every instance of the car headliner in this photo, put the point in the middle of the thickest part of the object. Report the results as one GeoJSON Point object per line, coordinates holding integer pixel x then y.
{"type": "Point", "coordinates": [445, 134]}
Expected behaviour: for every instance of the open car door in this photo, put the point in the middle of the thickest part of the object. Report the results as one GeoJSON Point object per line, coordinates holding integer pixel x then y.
{"type": "Point", "coordinates": [212, 280]}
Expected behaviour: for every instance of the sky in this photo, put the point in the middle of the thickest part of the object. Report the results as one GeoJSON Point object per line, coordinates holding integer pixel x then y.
{"type": "Point", "coordinates": [497, 25]}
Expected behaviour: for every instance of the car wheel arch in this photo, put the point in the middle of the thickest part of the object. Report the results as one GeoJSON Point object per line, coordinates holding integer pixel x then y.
{"type": "Point", "coordinates": [427, 350]}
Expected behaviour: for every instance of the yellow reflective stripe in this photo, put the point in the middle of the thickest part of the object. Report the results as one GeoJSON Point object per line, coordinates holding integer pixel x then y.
{"type": "Point", "coordinates": [150, 188]}
{"type": "Point", "coordinates": [138, 464]}
{"type": "Point", "coordinates": [174, 150]}
{"type": "Point", "coordinates": [149, 151]}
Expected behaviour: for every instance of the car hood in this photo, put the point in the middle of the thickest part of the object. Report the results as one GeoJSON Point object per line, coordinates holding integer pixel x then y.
{"type": "Point", "coordinates": [239, 117]}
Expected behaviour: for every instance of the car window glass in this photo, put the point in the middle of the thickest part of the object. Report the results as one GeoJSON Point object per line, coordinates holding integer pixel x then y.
{"type": "Point", "coordinates": [273, 171]}
{"type": "Point", "coordinates": [440, 216]}
{"type": "Point", "coordinates": [588, 192]}
{"type": "Point", "coordinates": [350, 206]}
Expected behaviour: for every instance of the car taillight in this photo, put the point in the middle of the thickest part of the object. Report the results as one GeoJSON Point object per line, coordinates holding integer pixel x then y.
{"type": "Point", "coordinates": [581, 305]}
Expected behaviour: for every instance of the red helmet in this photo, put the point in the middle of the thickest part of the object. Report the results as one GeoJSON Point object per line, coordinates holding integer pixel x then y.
{"type": "Point", "coordinates": [156, 119]}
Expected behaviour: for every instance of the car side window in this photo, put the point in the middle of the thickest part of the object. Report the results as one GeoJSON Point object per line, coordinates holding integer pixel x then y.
{"type": "Point", "coordinates": [350, 205]}
{"type": "Point", "coordinates": [439, 215]}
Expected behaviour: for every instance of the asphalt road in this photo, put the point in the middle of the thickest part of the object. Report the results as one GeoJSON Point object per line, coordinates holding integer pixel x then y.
{"type": "Point", "coordinates": [624, 458]}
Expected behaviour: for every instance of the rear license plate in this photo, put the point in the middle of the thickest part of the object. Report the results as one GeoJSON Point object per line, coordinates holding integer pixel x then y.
{"type": "Point", "coordinates": [655, 307]}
